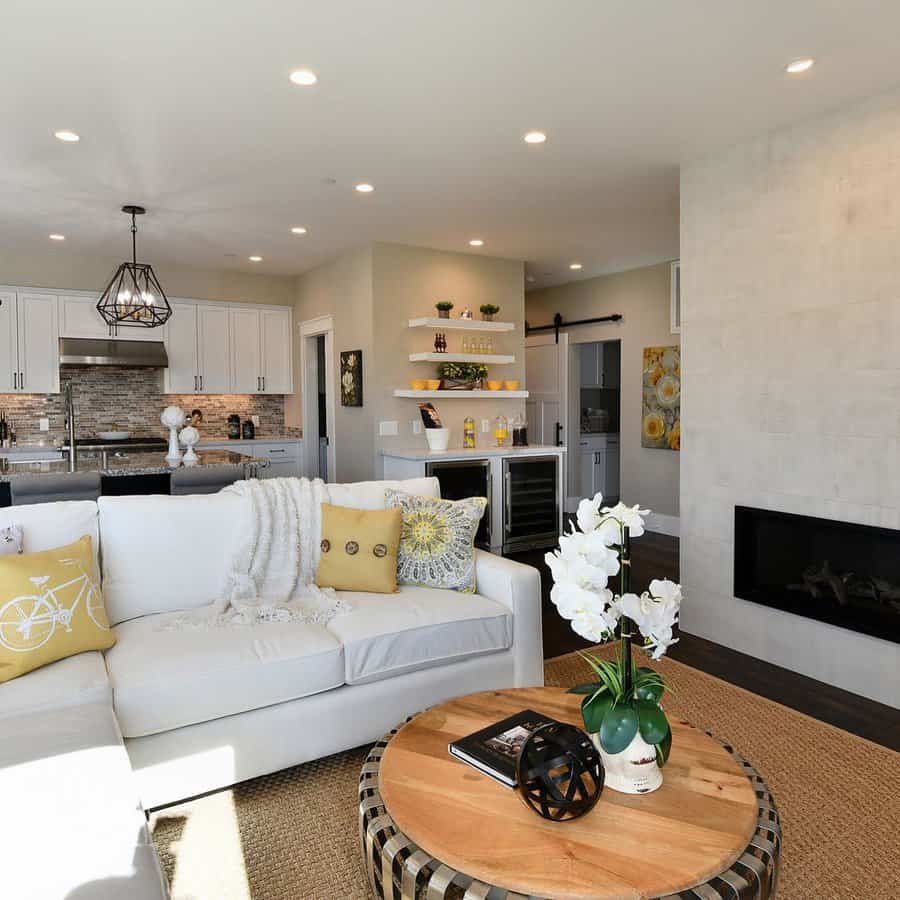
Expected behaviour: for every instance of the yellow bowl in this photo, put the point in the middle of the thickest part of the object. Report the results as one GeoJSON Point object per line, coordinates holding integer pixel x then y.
{"type": "Point", "coordinates": [418, 384]}
{"type": "Point", "coordinates": [510, 385]}
{"type": "Point", "coordinates": [494, 385]}
{"type": "Point", "coordinates": [433, 384]}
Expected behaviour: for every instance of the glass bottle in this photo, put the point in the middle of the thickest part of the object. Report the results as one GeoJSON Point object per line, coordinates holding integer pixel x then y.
{"type": "Point", "coordinates": [468, 433]}
{"type": "Point", "coordinates": [489, 347]}
{"type": "Point", "coordinates": [501, 430]}
{"type": "Point", "coordinates": [465, 347]}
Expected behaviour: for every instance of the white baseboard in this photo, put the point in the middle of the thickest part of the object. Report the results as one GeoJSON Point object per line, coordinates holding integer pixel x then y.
{"type": "Point", "coordinates": [663, 524]}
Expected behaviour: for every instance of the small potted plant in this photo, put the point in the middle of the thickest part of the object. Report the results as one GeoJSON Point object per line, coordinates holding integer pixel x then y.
{"type": "Point", "coordinates": [621, 707]}
{"type": "Point", "coordinates": [461, 376]}
{"type": "Point", "coordinates": [443, 307]}
{"type": "Point", "coordinates": [488, 311]}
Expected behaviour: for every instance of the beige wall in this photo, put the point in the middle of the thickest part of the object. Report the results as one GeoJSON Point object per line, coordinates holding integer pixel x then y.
{"type": "Point", "coordinates": [791, 326]}
{"type": "Point", "coordinates": [341, 288]}
{"type": "Point", "coordinates": [62, 270]}
{"type": "Point", "coordinates": [650, 477]}
{"type": "Point", "coordinates": [407, 283]}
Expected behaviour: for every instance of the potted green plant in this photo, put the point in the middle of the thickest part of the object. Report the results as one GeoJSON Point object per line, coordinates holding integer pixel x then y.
{"type": "Point", "coordinates": [621, 708]}
{"type": "Point", "coordinates": [461, 376]}
{"type": "Point", "coordinates": [488, 311]}
{"type": "Point", "coordinates": [443, 307]}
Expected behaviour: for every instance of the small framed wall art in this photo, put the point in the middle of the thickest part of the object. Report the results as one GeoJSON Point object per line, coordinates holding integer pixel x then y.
{"type": "Point", "coordinates": [351, 378]}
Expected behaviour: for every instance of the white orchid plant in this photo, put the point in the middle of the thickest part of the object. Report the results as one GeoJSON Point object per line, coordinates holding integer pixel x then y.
{"type": "Point", "coordinates": [625, 698]}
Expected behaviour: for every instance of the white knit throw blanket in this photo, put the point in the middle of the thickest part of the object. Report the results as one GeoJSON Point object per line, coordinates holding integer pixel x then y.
{"type": "Point", "coordinates": [273, 562]}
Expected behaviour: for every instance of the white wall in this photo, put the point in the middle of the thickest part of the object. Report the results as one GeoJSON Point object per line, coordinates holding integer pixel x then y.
{"type": "Point", "coordinates": [791, 349]}
{"type": "Point", "coordinates": [648, 476]}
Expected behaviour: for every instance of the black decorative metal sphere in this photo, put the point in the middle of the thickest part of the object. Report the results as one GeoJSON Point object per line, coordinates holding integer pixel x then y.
{"type": "Point", "coordinates": [560, 772]}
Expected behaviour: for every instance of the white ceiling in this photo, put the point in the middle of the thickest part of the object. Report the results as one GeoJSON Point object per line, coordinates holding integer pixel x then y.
{"type": "Point", "coordinates": [185, 106]}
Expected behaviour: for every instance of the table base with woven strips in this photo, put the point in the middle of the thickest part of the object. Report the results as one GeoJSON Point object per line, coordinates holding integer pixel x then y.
{"type": "Point", "coordinates": [400, 870]}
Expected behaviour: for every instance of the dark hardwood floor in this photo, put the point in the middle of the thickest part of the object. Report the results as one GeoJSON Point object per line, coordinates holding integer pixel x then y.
{"type": "Point", "coordinates": [656, 556]}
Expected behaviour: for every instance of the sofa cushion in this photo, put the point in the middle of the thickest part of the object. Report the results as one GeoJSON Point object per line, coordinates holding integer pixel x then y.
{"type": "Point", "coordinates": [167, 678]}
{"type": "Point", "coordinates": [164, 553]}
{"type": "Point", "coordinates": [370, 494]}
{"type": "Point", "coordinates": [76, 680]}
{"type": "Point", "coordinates": [72, 825]}
{"type": "Point", "coordinates": [387, 635]}
{"type": "Point", "coordinates": [49, 525]}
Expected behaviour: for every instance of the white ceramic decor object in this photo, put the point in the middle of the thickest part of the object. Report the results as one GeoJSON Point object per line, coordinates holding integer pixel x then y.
{"type": "Point", "coordinates": [173, 418]}
{"type": "Point", "coordinates": [438, 438]}
{"type": "Point", "coordinates": [189, 437]}
{"type": "Point", "coordinates": [634, 770]}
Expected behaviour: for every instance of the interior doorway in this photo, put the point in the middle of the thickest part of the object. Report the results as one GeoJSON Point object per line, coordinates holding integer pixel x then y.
{"type": "Point", "coordinates": [317, 390]}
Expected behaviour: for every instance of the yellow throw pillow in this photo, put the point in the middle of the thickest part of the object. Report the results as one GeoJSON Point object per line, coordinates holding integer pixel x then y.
{"type": "Point", "coordinates": [359, 549]}
{"type": "Point", "coordinates": [50, 607]}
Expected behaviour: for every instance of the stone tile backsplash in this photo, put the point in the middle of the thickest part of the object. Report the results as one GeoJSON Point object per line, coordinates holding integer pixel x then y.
{"type": "Point", "coordinates": [131, 399]}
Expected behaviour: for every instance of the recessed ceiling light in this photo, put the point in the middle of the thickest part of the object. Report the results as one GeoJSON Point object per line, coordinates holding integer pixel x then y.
{"type": "Point", "coordinates": [575, 266]}
{"type": "Point", "coordinates": [476, 242]}
{"type": "Point", "coordinates": [255, 259]}
{"type": "Point", "coordinates": [304, 77]}
{"type": "Point", "coordinates": [298, 229]}
{"type": "Point", "coordinates": [365, 188]}
{"type": "Point", "coordinates": [799, 65]}
{"type": "Point", "coordinates": [534, 137]}
{"type": "Point", "coordinates": [70, 137]}
{"type": "Point", "coordinates": [56, 237]}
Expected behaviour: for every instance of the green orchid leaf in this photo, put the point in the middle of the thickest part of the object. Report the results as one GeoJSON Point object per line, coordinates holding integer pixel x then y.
{"type": "Point", "coordinates": [590, 688]}
{"type": "Point", "coordinates": [594, 710]}
{"type": "Point", "coordinates": [653, 723]}
{"type": "Point", "coordinates": [650, 692]}
{"type": "Point", "coordinates": [663, 749]}
{"type": "Point", "coordinates": [618, 728]}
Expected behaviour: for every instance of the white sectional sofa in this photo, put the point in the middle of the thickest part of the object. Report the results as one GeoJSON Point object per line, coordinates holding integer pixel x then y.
{"type": "Point", "coordinates": [88, 743]}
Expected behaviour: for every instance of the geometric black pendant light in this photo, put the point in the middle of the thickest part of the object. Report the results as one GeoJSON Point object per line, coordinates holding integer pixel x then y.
{"type": "Point", "coordinates": [134, 295]}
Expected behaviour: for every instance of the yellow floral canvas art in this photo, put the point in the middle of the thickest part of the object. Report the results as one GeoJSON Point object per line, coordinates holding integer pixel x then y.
{"type": "Point", "coordinates": [661, 411]}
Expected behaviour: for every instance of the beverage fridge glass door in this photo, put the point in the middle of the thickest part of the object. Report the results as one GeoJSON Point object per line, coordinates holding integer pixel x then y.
{"type": "Point", "coordinates": [530, 502]}
{"type": "Point", "coordinates": [467, 478]}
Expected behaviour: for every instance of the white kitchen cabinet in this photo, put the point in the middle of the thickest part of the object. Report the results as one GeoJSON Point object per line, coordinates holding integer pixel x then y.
{"type": "Point", "coordinates": [9, 343]}
{"type": "Point", "coordinates": [180, 335]}
{"type": "Point", "coordinates": [213, 349]}
{"type": "Point", "coordinates": [283, 456]}
{"type": "Point", "coordinates": [600, 364]}
{"type": "Point", "coordinates": [29, 343]}
{"type": "Point", "coordinates": [598, 465]}
{"type": "Point", "coordinates": [197, 344]}
{"type": "Point", "coordinates": [261, 346]}
{"type": "Point", "coordinates": [275, 350]}
{"type": "Point", "coordinates": [78, 318]}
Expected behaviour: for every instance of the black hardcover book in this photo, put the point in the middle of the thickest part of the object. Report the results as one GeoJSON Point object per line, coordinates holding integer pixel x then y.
{"type": "Point", "coordinates": [494, 750]}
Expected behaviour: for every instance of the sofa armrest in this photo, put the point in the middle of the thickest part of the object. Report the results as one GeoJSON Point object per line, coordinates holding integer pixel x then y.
{"type": "Point", "coordinates": [518, 588]}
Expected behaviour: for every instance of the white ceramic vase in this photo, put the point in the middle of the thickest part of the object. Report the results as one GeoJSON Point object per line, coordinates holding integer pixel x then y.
{"type": "Point", "coordinates": [634, 770]}
{"type": "Point", "coordinates": [438, 438]}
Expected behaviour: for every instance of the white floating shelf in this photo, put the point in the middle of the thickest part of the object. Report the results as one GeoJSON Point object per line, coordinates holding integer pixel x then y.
{"type": "Point", "coordinates": [453, 395]}
{"type": "Point", "coordinates": [461, 324]}
{"type": "Point", "coordinates": [494, 359]}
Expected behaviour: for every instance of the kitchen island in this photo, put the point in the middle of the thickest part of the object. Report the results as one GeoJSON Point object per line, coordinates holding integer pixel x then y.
{"type": "Point", "coordinates": [96, 475]}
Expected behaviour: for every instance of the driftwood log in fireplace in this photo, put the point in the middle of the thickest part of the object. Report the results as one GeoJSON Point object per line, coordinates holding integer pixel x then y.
{"type": "Point", "coordinates": [821, 582]}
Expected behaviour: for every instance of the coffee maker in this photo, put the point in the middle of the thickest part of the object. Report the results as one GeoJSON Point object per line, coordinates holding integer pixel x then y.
{"type": "Point", "coordinates": [234, 427]}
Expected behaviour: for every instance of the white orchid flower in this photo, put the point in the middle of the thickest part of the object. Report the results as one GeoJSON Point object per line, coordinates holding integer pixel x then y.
{"type": "Point", "coordinates": [632, 516]}
{"type": "Point", "coordinates": [588, 515]}
{"type": "Point", "coordinates": [654, 615]}
{"type": "Point", "coordinates": [572, 600]}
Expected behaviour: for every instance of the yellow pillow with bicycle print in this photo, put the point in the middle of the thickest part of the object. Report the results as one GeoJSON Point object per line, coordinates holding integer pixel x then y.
{"type": "Point", "coordinates": [50, 607]}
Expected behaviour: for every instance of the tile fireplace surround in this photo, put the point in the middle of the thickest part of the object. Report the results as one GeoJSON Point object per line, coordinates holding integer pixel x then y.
{"type": "Point", "coordinates": [132, 399]}
{"type": "Point", "coordinates": [790, 330]}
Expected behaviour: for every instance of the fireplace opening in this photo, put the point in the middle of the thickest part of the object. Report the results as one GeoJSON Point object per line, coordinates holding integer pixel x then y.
{"type": "Point", "coordinates": [837, 572]}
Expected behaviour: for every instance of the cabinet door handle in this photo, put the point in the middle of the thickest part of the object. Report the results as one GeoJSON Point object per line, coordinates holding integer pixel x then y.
{"type": "Point", "coordinates": [14, 381]}
{"type": "Point", "coordinates": [264, 382]}
{"type": "Point", "coordinates": [21, 381]}
{"type": "Point", "coordinates": [507, 502]}
{"type": "Point", "coordinates": [201, 382]}
{"type": "Point", "coordinates": [195, 384]}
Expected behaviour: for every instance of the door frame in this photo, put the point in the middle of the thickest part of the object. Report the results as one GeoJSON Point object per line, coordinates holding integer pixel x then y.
{"type": "Point", "coordinates": [309, 331]}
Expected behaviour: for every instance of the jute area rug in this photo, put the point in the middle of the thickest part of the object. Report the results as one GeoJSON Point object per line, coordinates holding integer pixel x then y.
{"type": "Point", "coordinates": [292, 835]}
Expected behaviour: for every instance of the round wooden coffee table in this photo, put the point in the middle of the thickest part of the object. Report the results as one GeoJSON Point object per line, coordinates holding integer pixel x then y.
{"type": "Point", "coordinates": [433, 828]}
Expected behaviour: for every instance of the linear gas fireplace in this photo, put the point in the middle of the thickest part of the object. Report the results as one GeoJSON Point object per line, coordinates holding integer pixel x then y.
{"type": "Point", "coordinates": [836, 572]}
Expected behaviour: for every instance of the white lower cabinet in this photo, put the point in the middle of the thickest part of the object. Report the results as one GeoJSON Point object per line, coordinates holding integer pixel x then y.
{"type": "Point", "coordinates": [283, 456]}
{"type": "Point", "coordinates": [598, 466]}
{"type": "Point", "coordinates": [29, 343]}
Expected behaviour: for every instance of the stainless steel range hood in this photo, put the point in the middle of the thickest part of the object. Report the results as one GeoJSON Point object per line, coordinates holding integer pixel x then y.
{"type": "Point", "coordinates": [99, 352]}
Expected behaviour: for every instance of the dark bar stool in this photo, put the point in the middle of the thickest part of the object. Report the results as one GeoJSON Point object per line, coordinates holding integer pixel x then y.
{"type": "Point", "coordinates": [26, 489]}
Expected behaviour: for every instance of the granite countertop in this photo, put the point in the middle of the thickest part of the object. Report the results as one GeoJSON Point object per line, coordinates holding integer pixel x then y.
{"type": "Point", "coordinates": [133, 464]}
{"type": "Point", "coordinates": [259, 439]}
{"type": "Point", "coordinates": [476, 453]}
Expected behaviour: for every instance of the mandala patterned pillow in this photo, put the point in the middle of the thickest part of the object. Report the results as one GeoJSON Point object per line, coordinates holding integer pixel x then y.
{"type": "Point", "coordinates": [437, 541]}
